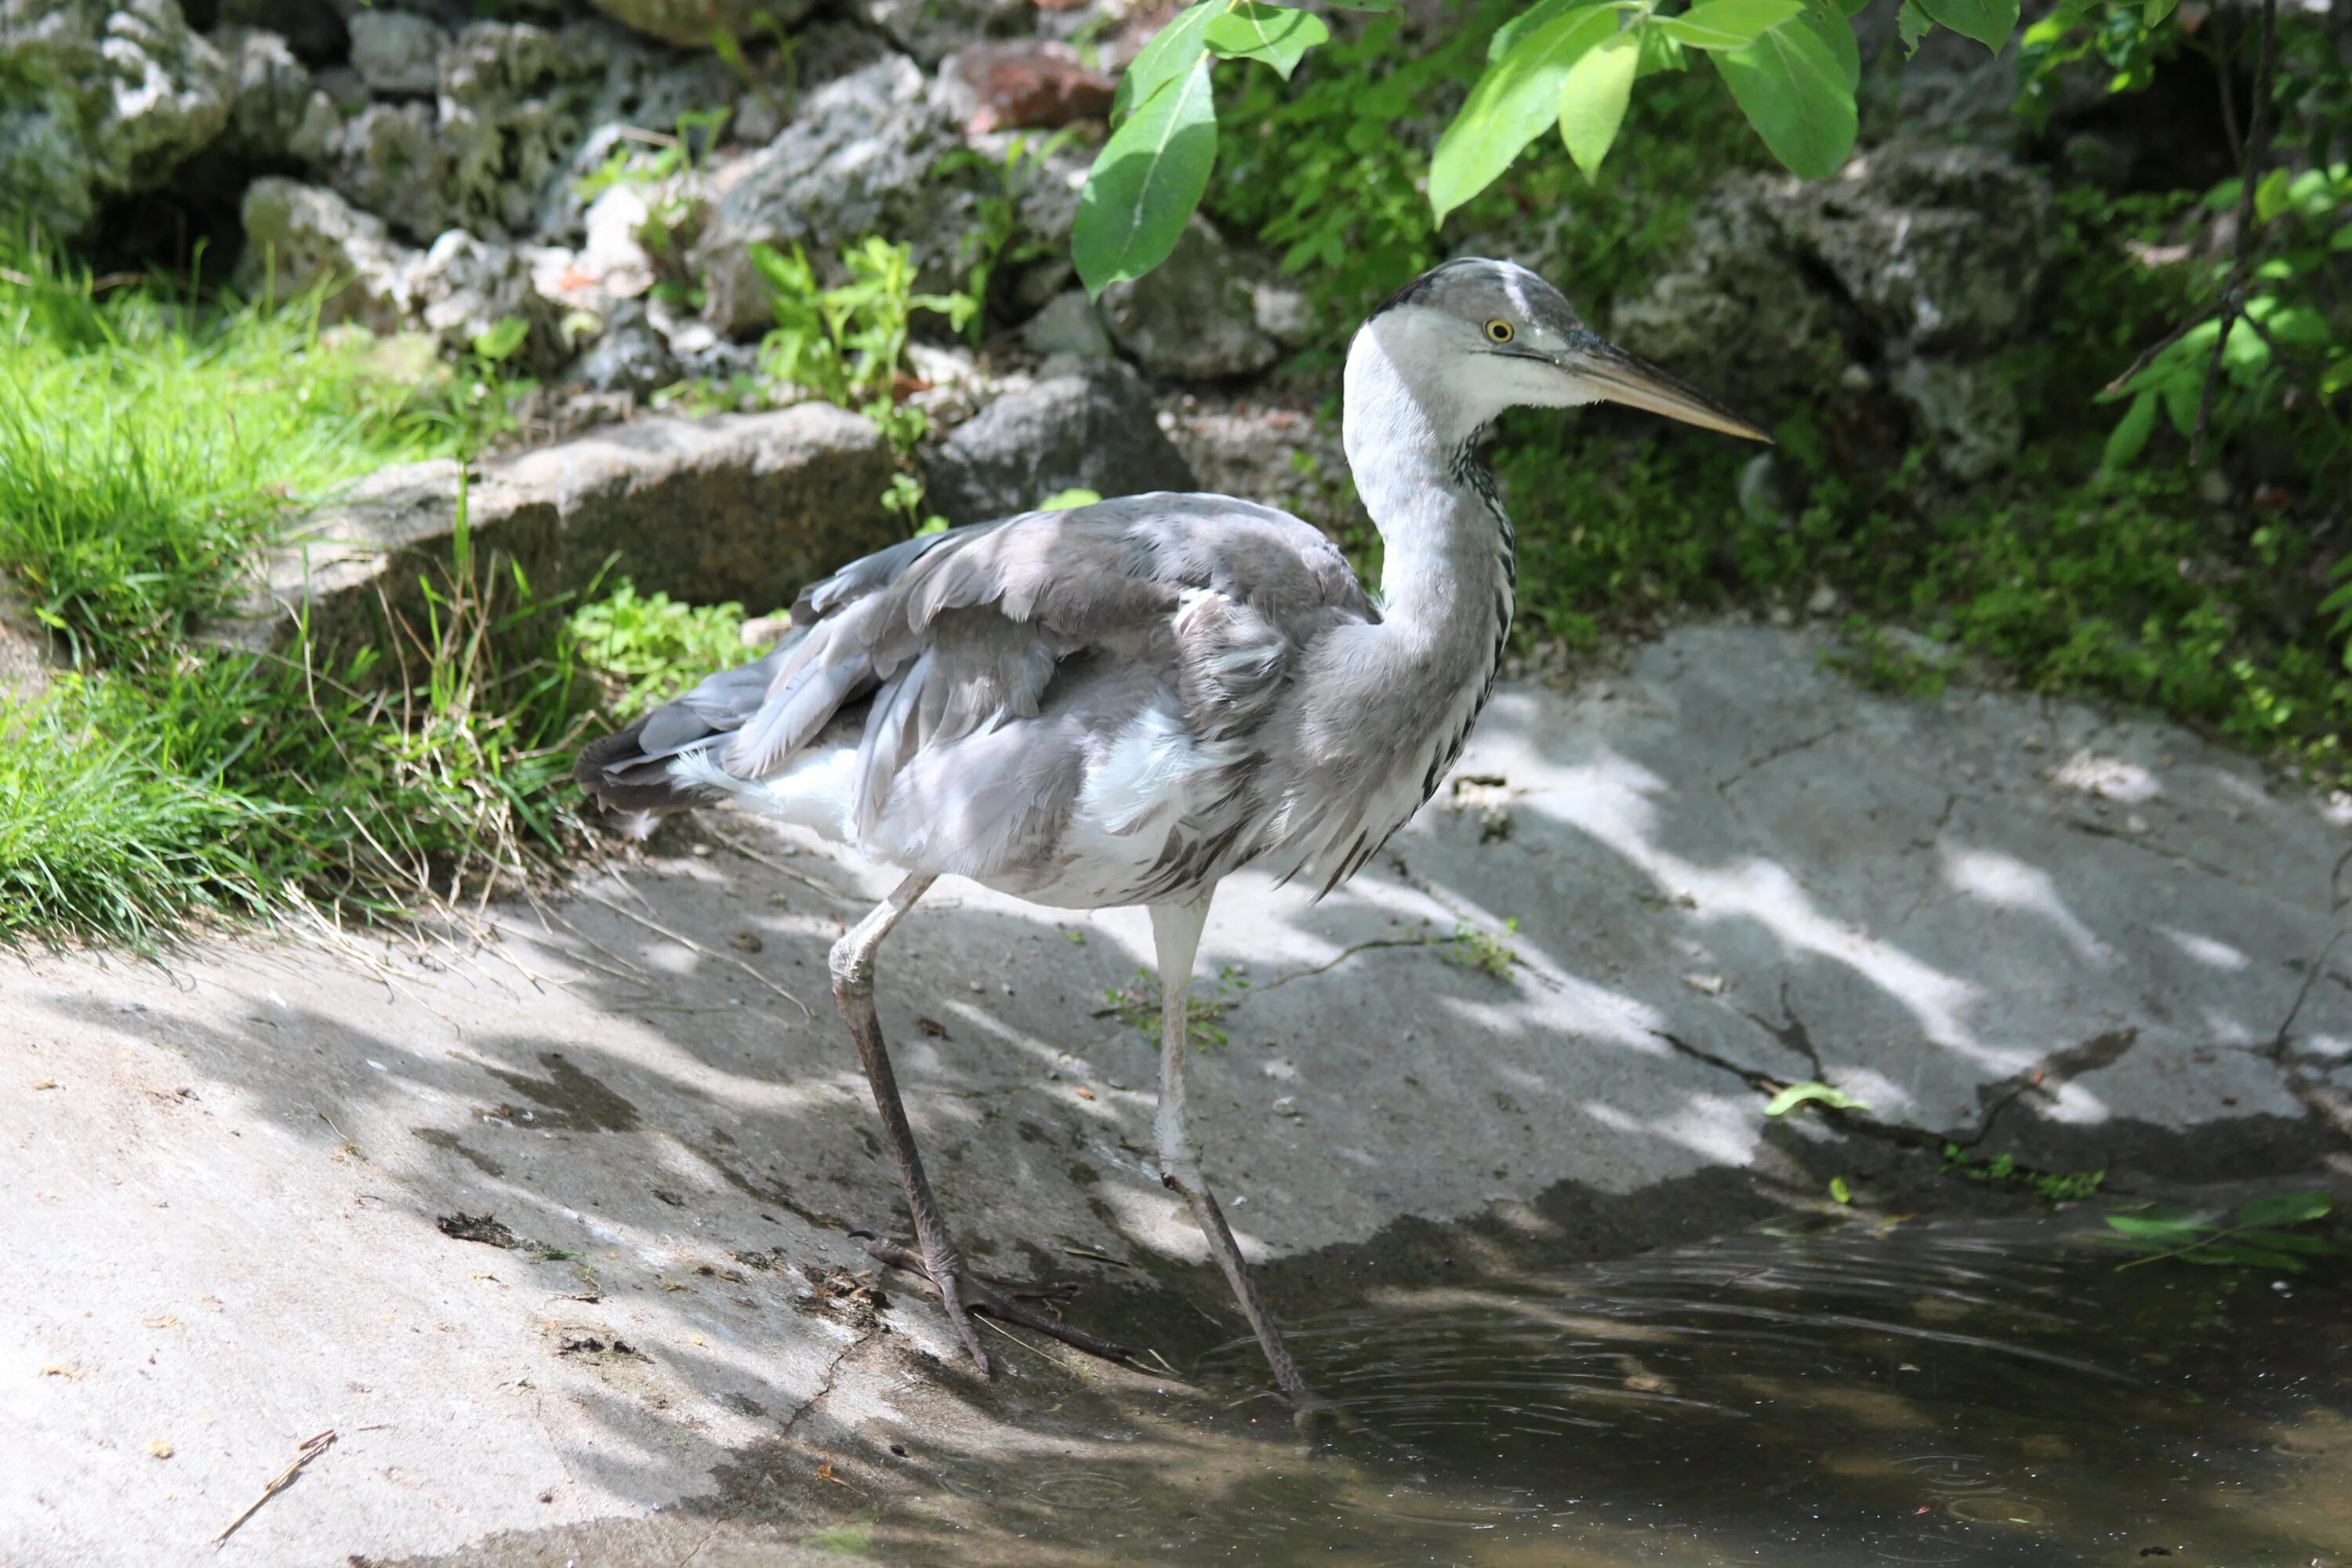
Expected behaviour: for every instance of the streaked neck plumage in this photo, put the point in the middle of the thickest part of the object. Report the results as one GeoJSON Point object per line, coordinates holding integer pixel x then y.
{"type": "Point", "coordinates": [1450, 562]}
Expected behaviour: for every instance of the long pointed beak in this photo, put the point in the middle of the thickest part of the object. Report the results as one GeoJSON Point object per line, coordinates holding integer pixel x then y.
{"type": "Point", "coordinates": [1614, 374]}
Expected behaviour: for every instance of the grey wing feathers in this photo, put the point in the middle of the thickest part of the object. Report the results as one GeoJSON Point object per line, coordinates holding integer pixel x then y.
{"type": "Point", "coordinates": [959, 632]}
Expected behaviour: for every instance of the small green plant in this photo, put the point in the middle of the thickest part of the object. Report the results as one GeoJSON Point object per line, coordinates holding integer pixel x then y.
{"type": "Point", "coordinates": [847, 344]}
{"type": "Point", "coordinates": [2259, 1235]}
{"type": "Point", "coordinates": [1137, 1005]}
{"type": "Point", "coordinates": [1474, 948]}
{"type": "Point", "coordinates": [2003, 1171]}
{"type": "Point", "coordinates": [651, 647]}
{"type": "Point", "coordinates": [998, 237]}
{"type": "Point", "coordinates": [1874, 658]}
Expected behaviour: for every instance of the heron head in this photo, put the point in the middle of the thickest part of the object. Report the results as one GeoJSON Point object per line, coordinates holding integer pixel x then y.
{"type": "Point", "coordinates": [1470, 338]}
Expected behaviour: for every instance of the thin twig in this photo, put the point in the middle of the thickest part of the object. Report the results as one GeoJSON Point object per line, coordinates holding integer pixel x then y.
{"type": "Point", "coordinates": [772, 864]}
{"type": "Point", "coordinates": [1346, 953]}
{"type": "Point", "coordinates": [2162, 343]}
{"type": "Point", "coordinates": [694, 946]}
{"type": "Point", "coordinates": [312, 1449]}
{"type": "Point", "coordinates": [2234, 295]}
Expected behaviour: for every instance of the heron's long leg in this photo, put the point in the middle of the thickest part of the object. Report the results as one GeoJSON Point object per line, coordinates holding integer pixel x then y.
{"type": "Point", "coordinates": [1176, 934]}
{"type": "Point", "coordinates": [853, 990]}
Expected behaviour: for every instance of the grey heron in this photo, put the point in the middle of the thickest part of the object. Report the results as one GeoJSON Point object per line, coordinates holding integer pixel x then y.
{"type": "Point", "coordinates": [1123, 703]}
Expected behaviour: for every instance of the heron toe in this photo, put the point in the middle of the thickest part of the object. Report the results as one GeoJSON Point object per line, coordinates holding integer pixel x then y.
{"type": "Point", "coordinates": [966, 1292]}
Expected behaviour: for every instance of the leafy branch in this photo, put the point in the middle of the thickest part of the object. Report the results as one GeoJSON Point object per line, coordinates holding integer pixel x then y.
{"type": "Point", "coordinates": [2255, 1235]}
{"type": "Point", "coordinates": [1792, 66]}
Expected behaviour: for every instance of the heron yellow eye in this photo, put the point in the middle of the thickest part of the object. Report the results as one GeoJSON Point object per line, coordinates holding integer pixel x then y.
{"type": "Point", "coordinates": [1498, 332]}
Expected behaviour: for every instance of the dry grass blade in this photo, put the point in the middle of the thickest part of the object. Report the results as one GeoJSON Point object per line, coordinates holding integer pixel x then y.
{"type": "Point", "coordinates": [773, 864]}
{"type": "Point", "coordinates": [313, 1448]}
{"type": "Point", "coordinates": [693, 946]}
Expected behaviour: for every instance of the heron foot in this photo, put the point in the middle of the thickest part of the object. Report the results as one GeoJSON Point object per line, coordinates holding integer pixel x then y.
{"type": "Point", "coordinates": [965, 1292]}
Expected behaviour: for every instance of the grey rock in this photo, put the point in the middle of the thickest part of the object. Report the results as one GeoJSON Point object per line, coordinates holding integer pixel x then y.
{"type": "Point", "coordinates": [631, 356]}
{"type": "Point", "coordinates": [1093, 429]}
{"type": "Point", "coordinates": [390, 160]}
{"type": "Point", "coordinates": [463, 286]}
{"type": "Point", "coordinates": [344, 85]}
{"type": "Point", "coordinates": [740, 506]}
{"type": "Point", "coordinates": [171, 95]}
{"type": "Point", "coordinates": [856, 162]}
{"type": "Point", "coordinates": [931, 30]}
{"type": "Point", "coordinates": [1069, 324]}
{"type": "Point", "coordinates": [1966, 412]}
{"type": "Point", "coordinates": [277, 112]}
{"type": "Point", "coordinates": [518, 112]}
{"type": "Point", "coordinates": [1734, 307]}
{"type": "Point", "coordinates": [1942, 247]}
{"type": "Point", "coordinates": [397, 53]}
{"type": "Point", "coordinates": [1193, 316]}
{"type": "Point", "coordinates": [56, 90]}
{"type": "Point", "coordinates": [692, 24]}
{"type": "Point", "coordinates": [299, 237]}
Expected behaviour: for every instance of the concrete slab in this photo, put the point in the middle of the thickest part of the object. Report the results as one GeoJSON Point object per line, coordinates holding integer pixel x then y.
{"type": "Point", "coordinates": [2091, 939]}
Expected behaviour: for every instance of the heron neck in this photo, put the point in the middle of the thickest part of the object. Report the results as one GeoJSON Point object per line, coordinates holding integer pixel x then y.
{"type": "Point", "coordinates": [1449, 557]}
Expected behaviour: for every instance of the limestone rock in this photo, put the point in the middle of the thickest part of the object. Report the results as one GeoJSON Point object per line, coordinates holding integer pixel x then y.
{"type": "Point", "coordinates": [1942, 247]}
{"type": "Point", "coordinates": [748, 506]}
{"type": "Point", "coordinates": [397, 53]}
{"type": "Point", "coordinates": [390, 161]}
{"type": "Point", "coordinates": [465, 286]}
{"type": "Point", "coordinates": [171, 94]}
{"type": "Point", "coordinates": [1193, 316]}
{"type": "Point", "coordinates": [856, 162]}
{"type": "Point", "coordinates": [630, 356]}
{"type": "Point", "coordinates": [1736, 306]}
{"type": "Point", "coordinates": [1968, 413]}
{"type": "Point", "coordinates": [1069, 324]}
{"type": "Point", "coordinates": [692, 24]}
{"type": "Point", "coordinates": [1094, 428]}
{"type": "Point", "coordinates": [299, 237]}
{"type": "Point", "coordinates": [931, 30]}
{"type": "Point", "coordinates": [277, 113]}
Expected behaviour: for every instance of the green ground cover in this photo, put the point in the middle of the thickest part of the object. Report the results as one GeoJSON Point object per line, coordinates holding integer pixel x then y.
{"type": "Point", "coordinates": [147, 446]}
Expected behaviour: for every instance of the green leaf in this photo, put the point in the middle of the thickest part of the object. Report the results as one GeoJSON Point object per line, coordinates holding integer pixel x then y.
{"type": "Point", "coordinates": [1796, 95]}
{"type": "Point", "coordinates": [2130, 434]}
{"type": "Point", "coordinates": [1516, 97]}
{"type": "Point", "coordinates": [1593, 95]}
{"type": "Point", "coordinates": [2286, 1208]}
{"type": "Point", "coordinates": [1988, 22]}
{"type": "Point", "coordinates": [1508, 35]}
{"type": "Point", "coordinates": [1278, 34]}
{"type": "Point", "coordinates": [1146, 183]}
{"type": "Point", "coordinates": [1385, 7]}
{"type": "Point", "coordinates": [2222, 1252]}
{"type": "Point", "coordinates": [1172, 51]}
{"type": "Point", "coordinates": [1796, 1094]}
{"type": "Point", "coordinates": [2152, 14]}
{"type": "Point", "coordinates": [1833, 28]}
{"type": "Point", "coordinates": [1911, 25]}
{"type": "Point", "coordinates": [500, 341]}
{"type": "Point", "coordinates": [1727, 23]}
{"type": "Point", "coordinates": [2271, 196]}
{"type": "Point", "coordinates": [1064, 501]}
{"type": "Point", "coordinates": [1840, 1190]}
{"type": "Point", "coordinates": [2164, 1226]}
{"type": "Point", "coordinates": [2288, 1241]}
{"type": "Point", "coordinates": [1659, 53]}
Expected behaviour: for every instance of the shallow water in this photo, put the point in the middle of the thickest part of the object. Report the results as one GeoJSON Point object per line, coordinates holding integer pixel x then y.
{"type": "Point", "coordinates": [1960, 1393]}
